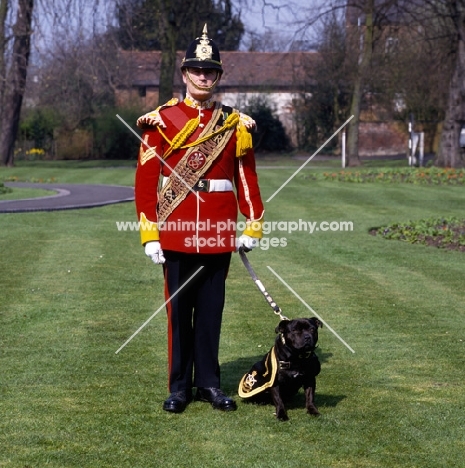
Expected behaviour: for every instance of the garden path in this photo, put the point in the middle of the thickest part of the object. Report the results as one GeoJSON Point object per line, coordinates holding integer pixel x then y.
{"type": "Point", "coordinates": [67, 197]}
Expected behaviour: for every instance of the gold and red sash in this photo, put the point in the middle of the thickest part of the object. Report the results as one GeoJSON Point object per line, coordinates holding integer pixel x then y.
{"type": "Point", "coordinates": [193, 165]}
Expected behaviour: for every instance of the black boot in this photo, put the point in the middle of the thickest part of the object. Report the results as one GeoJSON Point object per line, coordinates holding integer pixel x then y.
{"type": "Point", "coordinates": [217, 399]}
{"type": "Point", "coordinates": [177, 401]}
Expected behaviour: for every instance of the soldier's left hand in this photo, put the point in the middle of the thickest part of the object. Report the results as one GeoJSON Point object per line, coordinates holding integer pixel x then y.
{"type": "Point", "coordinates": [247, 243]}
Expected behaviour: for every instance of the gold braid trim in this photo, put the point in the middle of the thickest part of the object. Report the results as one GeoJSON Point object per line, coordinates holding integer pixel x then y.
{"type": "Point", "coordinates": [183, 178]}
{"type": "Point", "coordinates": [178, 141]}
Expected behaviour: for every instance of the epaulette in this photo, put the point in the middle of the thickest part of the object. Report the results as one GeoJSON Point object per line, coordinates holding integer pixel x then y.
{"type": "Point", "coordinates": [153, 118]}
{"type": "Point", "coordinates": [247, 121]}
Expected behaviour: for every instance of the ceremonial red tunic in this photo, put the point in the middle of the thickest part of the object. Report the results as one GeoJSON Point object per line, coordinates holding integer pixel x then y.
{"type": "Point", "coordinates": [204, 223]}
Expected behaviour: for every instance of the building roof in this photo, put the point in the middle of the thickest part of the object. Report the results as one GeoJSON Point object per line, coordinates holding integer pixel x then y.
{"type": "Point", "coordinates": [245, 70]}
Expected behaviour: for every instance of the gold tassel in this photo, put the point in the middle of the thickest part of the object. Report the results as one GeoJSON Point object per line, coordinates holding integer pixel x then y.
{"type": "Point", "coordinates": [185, 133]}
{"type": "Point", "coordinates": [244, 141]}
{"type": "Point", "coordinates": [182, 136]}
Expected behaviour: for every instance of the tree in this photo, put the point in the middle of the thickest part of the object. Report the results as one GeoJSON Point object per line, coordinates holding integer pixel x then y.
{"type": "Point", "coordinates": [361, 39]}
{"type": "Point", "coordinates": [411, 77]}
{"type": "Point", "coordinates": [325, 105]}
{"type": "Point", "coordinates": [451, 15]}
{"type": "Point", "coordinates": [170, 25]}
{"type": "Point", "coordinates": [4, 6]}
{"type": "Point", "coordinates": [78, 81]}
{"type": "Point", "coordinates": [138, 23]}
{"type": "Point", "coordinates": [436, 20]}
{"type": "Point", "coordinates": [16, 79]}
{"type": "Point", "coordinates": [360, 78]}
{"type": "Point", "coordinates": [371, 23]}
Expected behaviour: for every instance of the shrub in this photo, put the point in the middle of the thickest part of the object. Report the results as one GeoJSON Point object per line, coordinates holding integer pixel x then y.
{"type": "Point", "coordinates": [4, 189]}
{"type": "Point", "coordinates": [112, 139]}
{"type": "Point", "coordinates": [38, 126]}
{"type": "Point", "coordinates": [270, 134]}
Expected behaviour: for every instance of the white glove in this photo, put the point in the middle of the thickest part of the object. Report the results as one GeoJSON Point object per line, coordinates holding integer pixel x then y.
{"type": "Point", "coordinates": [154, 251]}
{"type": "Point", "coordinates": [247, 242]}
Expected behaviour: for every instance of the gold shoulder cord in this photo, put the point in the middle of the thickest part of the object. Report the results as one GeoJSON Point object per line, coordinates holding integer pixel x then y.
{"type": "Point", "coordinates": [181, 137]}
{"type": "Point", "coordinates": [178, 141]}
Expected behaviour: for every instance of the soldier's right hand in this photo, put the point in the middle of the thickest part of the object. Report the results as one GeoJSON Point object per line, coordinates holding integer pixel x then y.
{"type": "Point", "coordinates": [154, 251]}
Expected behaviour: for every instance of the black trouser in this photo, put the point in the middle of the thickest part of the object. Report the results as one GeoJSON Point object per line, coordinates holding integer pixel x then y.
{"type": "Point", "coordinates": [194, 317]}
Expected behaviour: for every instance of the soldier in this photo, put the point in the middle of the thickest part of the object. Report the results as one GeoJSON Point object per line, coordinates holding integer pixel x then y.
{"type": "Point", "coordinates": [194, 152]}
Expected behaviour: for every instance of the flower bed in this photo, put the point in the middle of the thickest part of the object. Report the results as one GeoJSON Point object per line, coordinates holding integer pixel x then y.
{"type": "Point", "coordinates": [424, 176]}
{"type": "Point", "coordinates": [32, 180]}
{"type": "Point", "coordinates": [448, 233]}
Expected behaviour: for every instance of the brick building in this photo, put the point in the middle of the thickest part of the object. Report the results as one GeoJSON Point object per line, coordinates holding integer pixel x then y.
{"type": "Point", "coordinates": [279, 76]}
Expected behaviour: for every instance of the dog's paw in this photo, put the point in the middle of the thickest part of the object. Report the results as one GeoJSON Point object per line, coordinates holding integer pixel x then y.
{"type": "Point", "coordinates": [281, 415]}
{"type": "Point", "coordinates": [313, 410]}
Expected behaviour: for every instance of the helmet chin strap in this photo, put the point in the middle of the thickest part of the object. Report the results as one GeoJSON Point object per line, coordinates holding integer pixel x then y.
{"type": "Point", "coordinates": [202, 88]}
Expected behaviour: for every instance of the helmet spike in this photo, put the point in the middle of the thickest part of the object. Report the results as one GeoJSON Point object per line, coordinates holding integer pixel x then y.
{"type": "Point", "coordinates": [205, 31]}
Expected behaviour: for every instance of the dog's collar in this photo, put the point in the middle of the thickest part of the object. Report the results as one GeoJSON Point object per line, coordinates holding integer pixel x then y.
{"type": "Point", "coordinates": [288, 364]}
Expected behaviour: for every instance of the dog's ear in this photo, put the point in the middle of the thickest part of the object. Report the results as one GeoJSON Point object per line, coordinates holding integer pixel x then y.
{"type": "Point", "coordinates": [316, 322]}
{"type": "Point", "coordinates": [282, 326]}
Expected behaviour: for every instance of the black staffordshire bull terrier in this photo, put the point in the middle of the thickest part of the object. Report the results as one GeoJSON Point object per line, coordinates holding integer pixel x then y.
{"type": "Point", "coordinates": [290, 364]}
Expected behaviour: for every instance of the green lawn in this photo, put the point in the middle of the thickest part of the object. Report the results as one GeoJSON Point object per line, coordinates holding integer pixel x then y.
{"type": "Point", "coordinates": [23, 193]}
{"type": "Point", "coordinates": [74, 288]}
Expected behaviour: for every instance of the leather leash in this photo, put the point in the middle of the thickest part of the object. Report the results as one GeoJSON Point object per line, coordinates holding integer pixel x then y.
{"type": "Point", "coordinates": [259, 284]}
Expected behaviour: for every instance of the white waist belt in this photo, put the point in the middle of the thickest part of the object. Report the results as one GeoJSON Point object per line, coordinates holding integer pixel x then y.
{"type": "Point", "coordinates": [210, 185]}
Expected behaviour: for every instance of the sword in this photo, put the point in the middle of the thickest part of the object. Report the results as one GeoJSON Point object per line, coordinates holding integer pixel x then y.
{"type": "Point", "coordinates": [259, 284]}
